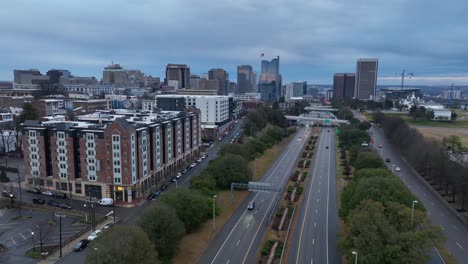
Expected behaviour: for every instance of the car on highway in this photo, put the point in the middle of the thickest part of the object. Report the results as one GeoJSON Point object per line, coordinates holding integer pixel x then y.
{"type": "Point", "coordinates": [178, 175]}
{"type": "Point", "coordinates": [65, 206]}
{"type": "Point", "coordinates": [251, 206]}
{"type": "Point", "coordinates": [34, 190]}
{"type": "Point", "coordinates": [81, 245]}
{"type": "Point", "coordinates": [94, 235]}
{"type": "Point", "coordinates": [199, 160]}
{"type": "Point", "coordinates": [397, 169]}
{"type": "Point", "coordinates": [8, 194]}
{"type": "Point", "coordinates": [53, 203]}
{"type": "Point", "coordinates": [326, 147]}
{"type": "Point", "coordinates": [48, 193]}
{"type": "Point", "coordinates": [387, 160]}
{"type": "Point", "coordinates": [193, 165]}
{"type": "Point", "coordinates": [380, 146]}
{"type": "Point", "coordinates": [328, 130]}
{"type": "Point", "coordinates": [38, 201]}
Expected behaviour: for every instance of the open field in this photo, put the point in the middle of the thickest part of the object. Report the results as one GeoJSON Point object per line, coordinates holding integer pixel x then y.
{"type": "Point", "coordinates": [459, 123]}
{"type": "Point", "coordinates": [441, 132]}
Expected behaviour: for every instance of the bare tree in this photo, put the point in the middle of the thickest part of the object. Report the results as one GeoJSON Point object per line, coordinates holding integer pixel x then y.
{"type": "Point", "coordinates": [44, 228]}
{"type": "Point", "coordinates": [8, 136]}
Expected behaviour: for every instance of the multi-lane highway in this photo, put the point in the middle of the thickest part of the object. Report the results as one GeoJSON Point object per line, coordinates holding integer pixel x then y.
{"type": "Point", "coordinates": [455, 231]}
{"type": "Point", "coordinates": [239, 239]}
{"type": "Point", "coordinates": [314, 237]}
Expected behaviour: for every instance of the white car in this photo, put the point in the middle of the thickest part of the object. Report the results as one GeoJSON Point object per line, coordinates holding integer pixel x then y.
{"type": "Point", "coordinates": [48, 193]}
{"type": "Point", "coordinates": [178, 175]}
{"type": "Point", "coordinates": [397, 169]}
{"type": "Point", "coordinates": [94, 234]}
{"type": "Point", "coordinates": [199, 160]}
{"type": "Point", "coordinates": [193, 165]}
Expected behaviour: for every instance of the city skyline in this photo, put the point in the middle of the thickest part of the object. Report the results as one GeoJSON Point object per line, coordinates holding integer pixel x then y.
{"type": "Point", "coordinates": [312, 46]}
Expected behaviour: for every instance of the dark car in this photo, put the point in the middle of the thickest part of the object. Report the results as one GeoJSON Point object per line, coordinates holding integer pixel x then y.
{"type": "Point", "coordinates": [60, 195]}
{"type": "Point", "coordinates": [34, 190]}
{"type": "Point", "coordinates": [387, 160]}
{"type": "Point", "coordinates": [163, 188]}
{"type": "Point", "coordinates": [65, 206]}
{"type": "Point", "coordinates": [53, 203]}
{"type": "Point", "coordinates": [80, 245]}
{"type": "Point", "coordinates": [153, 195]}
{"type": "Point", "coordinates": [38, 201]}
{"type": "Point", "coordinates": [8, 194]}
{"type": "Point", "coordinates": [326, 147]}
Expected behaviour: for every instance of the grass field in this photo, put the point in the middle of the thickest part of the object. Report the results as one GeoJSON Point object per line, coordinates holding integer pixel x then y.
{"type": "Point", "coordinates": [193, 245]}
{"type": "Point", "coordinates": [461, 122]}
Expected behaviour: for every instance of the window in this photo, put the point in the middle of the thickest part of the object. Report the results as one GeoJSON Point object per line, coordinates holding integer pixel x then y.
{"type": "Point", "coordinates": [60, 134]}
{"type": "Point", "coordinates": [61, 158]}
{"type": "Point", "coordinates": [116, 162]}
{"type": "Point", "coordinates": [32, 133]}
{"type": "Point", "coordinates": [63, 166]}
{"type": "Point", "coordinates": [117, 180]}
{"type": "Point", "coordinates": [35, 173]}
{"type": "Point", "coordinates": [115, 138]}
{"type": "Point", "coordinates": [116, 170]}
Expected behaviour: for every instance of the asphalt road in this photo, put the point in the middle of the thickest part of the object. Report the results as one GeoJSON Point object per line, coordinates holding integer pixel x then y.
{"type": "Point", "coordinates": [240, 237]}
{"type": "Point", "coordinates": [455, 231]}
{"type": "Point", "coordinates": [316, 233]}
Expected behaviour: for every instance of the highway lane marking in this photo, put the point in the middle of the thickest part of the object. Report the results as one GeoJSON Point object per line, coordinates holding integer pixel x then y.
{"type": "Point", "coordinates": [266, 212]}
{"type": "Point", "coordinates": [328, 191]}
{"type": "Point", "coordinates": [13, 241]}
{"type": "Point", "coordinates": [455, 227]}
{"type": "Point", "coordinates": [459, 246]}
{"type": "Point", "coordinates": [316, 211]}
{"type": "Point", "coordinates": [313, 241]}
{"type": "Point", "coordinates": [238, 243]}
{"type": "Point", "coordinates": [228, 261]}
{"type": "Point", "coordinates": [315, 224]}
{"type": "Point", "coordinates": [22, 236]}
{"type": "Point", "coordinates": [290, 147]}
{"type": "Point", "coordinates": [307, 206]}
{"type": "Point", "coordinates": [248, 226]}
{"type": "Point", "coordinates": [428, 213]}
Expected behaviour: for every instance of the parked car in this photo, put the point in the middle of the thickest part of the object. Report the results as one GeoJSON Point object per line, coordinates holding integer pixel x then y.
{"type": "Point", "coordinates": [380, 146]}
{"type": "Point", "coordinates": [193, 165]}
{"type": "Point", "coordinates": [106, 202]}
{"type": "Point", "coordinates": [153, 195]}
{"type": "Point", "coordinates": [53, 203]}
{"type": "Point", "coordinates": [48, 193]}
{"type": "Point", "coordinates": [184, 171]}
{"type": "Point", "coordinates": [94, 234]}
{"type": "Point", "coordinates": [178, 175]}
{"type": "Point", "coordinates": [8, 194]}
{"type": "Point", "coordinates": [81, 245]}
{"type": "Point", "coordinates": [174, 179]}
{"type": "Point", "coordinates": [65, 206]}
{"type": "Point", "coordinates": [38, 201]}
{"type": "Point", "coordinates": [203, 156]}
{"type": "Point", "coordinates": [60, 195]}
{"type": "Point", "coordinates": [163, 188]}
{"type": "Point", "coordinates": [199, 160]}
{"type": "Point", "coordinates": [107, 227]}
{"type": "Point", "coordinates": [34, 190]}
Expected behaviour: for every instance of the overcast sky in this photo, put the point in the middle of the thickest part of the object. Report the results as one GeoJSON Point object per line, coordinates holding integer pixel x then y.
{"type": "Point", "coordinates": [314, 38]}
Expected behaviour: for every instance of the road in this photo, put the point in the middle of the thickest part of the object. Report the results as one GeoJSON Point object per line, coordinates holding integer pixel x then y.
{"type": "Point", "coordinates": [316, 233]}
{"type": "Point", "coordinates": [240, 237]}
{"type": "Point", "coordinates": [130, 216]}
{"type": "Point", "coordinates": [455, 231]}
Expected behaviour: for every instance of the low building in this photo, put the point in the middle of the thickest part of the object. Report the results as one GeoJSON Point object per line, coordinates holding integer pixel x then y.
{"type": "Point", "coordinates": [48, 107]}
{"type": "Point", "coordinates": [442, 114]}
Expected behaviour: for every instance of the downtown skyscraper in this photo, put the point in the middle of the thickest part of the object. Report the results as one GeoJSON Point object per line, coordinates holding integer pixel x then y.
{"type": "Point", "coordinates": [343, 85]}
{"type": "Point", "coordinates": [245, 79]}
{"type": "Point", "coordinates": [269, 83]}
{"type": "Point", "coordinates": [366, 78]}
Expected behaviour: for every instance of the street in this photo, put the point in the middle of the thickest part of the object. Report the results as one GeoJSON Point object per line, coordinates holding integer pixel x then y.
{"type": "Point", "coordinates": [316, 233]}
{"type": "Point", "coordinates": [239, 239]}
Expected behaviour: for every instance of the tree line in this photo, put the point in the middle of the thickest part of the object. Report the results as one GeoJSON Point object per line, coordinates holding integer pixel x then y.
{"type": "Point", "coordinates": [376, 208]}
{"type": "Point", "coordinates": [430, 158]}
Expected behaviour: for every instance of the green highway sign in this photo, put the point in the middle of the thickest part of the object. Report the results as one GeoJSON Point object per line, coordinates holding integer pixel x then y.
{"type": "Point", "coordinates": [337, 131]}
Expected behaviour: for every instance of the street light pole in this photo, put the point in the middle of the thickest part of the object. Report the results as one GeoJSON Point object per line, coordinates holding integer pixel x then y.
{"type": "Point", "coordinates": [32, 235]}
{"type": "Point", "coordinates": [412, 213]}
{"type": "Point", "coordinates": [214, 211]}
{"type": "Point", "coordinates": [19, 186]}
{"type": "Point", "coordinates": [60, 236]}
{"type": "Point", "coordinates": [356, 254]}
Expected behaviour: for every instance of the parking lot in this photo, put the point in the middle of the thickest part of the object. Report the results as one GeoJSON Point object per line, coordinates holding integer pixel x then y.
{"type": "Point", "coordinates": [17, 236]}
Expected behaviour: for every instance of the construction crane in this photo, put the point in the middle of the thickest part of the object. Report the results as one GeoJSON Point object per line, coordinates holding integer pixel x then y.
{"type": "Point", "coordinates": [410, 74]}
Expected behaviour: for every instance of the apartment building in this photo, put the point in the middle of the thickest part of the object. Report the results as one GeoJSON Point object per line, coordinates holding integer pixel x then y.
{"type": "Point", "coordinates": [114, 154]}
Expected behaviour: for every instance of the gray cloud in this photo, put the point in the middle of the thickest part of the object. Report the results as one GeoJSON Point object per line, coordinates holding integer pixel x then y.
{"type": "Point", "coordinates": [313, 38]}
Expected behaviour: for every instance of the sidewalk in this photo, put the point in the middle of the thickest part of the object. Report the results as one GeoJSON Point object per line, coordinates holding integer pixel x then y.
{"type": "Point", "coordinates": [67, 249]}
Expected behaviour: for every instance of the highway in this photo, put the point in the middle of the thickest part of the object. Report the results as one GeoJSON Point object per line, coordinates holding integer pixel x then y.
{"type": "Point", "coordinates": [314, 238]}
{"type": "Point", "coordinates": [455, 230]}
{"type": "Point", "coordinates": [240, 237]}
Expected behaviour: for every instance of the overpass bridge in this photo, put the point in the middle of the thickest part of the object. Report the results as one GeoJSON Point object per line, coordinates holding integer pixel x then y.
{"type": "Point", "coordinates": [318, 120]}
{"type": "Point", "coordinates": [320, 109]}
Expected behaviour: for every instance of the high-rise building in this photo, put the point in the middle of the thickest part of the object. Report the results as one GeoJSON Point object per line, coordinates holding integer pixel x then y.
{"type": "Point", "coordinates": [206, 84]}
{"type": "Point", "coordinates": [254, 82]}
{"type": "Point", "coordinates": [269, 82]}
{"type": "Point", "coordinates": [295, 89]}
{"type": "Point", "coordinates": [194, 82]}
{"type": "Point", "coordinates": [179, 73]}
{"type": "Point", "coordinates": [366, 78]}
{"type": "Point", "coordinates": [232, 87]}
{"type": "Point", "coordinates": [55, 75]}
{"type": "Point", "coordinates": [114, 74]}
{"type": "Point", "coordinates": [223, 79]}
{"type": "Point", "coordinates": [32, 76]}
{"type": "Point", "coordinates": [245, 76]}
{"type": "Point", "coordinates": [343, 85]}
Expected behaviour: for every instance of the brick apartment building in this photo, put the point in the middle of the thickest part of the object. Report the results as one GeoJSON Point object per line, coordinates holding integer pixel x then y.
{"type": "Point", "coordinates": [122, 154]}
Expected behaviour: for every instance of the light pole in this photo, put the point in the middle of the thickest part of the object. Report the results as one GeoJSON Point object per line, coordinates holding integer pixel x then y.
{"type": "Point", "coordinates": [32, 235]}
{"type": "Point", "coordinates": [412, 213]}
{"type": "Point", "coordinates": [355, 259]}
{"type": "Point", "coordinates": [60, 231]}
{"type": "Point", "coordinates": [393, 166]}
{"type": "Point", "coordinates": [214, 211]}
{"type": "Point", "coordinates": [176, 183]}
{"type": "Point", "coordinates": [98, 255]}
{"type": "Point", "coordinates": [86, 213]}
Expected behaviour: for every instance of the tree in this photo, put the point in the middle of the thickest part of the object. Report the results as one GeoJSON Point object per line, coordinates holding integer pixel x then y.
{"type": "Point", "coordinates": [191, 207]}
{"type": "Point", "coordinates": [383, 234]}
{"type": "Point", "coordinates": [164, 229]}
{"type": "Point", "coordinates": [453, 142]}
{"type": "Point", "coordinates": [29, 113]}
{"type": "Point", "coordinates": [368, 160]}
{"type": "Point", "coordinates": [371, 172]}
{"type": "Point", "coordinates": [377, 188]}
{"type": "Point", "coordinates": [230, 168]}
{"type": "Point", "coordinates": [345, 113]}
{"type": "Point", "coordinates": [205, 183]}
{"type": "Point", "coordinates": [8, 136]}
{"type": "Point", "coordinates": [4, 177]}
{"type": "Point", "coordinates": [350, 136]}
{"type": "Point", "coordinates": [122, 244]}
{"type": "Point", "coordinates": [453, 116]}
{"type": "Point", "coordinates": [388, 104]}
{"type": "Point", "coordinates": [43, 229]}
